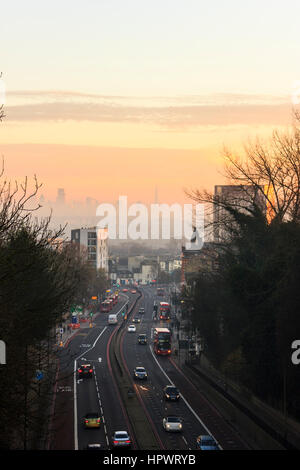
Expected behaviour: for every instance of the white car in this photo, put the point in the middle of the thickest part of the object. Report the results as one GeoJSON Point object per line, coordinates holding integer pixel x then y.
{"type": "Point", "coordinates": [131, 329]}
{"type": "Point", "coordinates": [112, 319]}
{"type": "Point", "coordinates": [172, 424]}
{"type": "Point", "coordinates": [121, 439]}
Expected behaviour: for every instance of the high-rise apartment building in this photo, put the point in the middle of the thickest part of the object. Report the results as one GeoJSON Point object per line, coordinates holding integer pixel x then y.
{"type": "Point", "coordinates": [61, 197]}
{"type": "Point", "coordinates": [242, 197]}
{"type": "Point", "coordinates": [94, 242]}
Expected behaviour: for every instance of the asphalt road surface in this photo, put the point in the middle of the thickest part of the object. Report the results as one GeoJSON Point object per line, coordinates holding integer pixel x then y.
{"type": "Point", "coordinates": [197, 414]}
{"type": "Point", "coordinates": [75, 397]}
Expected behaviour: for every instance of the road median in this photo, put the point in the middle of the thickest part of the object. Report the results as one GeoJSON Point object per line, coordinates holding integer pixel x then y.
{"type": "Point", "coordinates": [143, 433]}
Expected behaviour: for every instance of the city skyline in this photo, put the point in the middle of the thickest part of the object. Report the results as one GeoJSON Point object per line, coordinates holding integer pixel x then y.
{"type": "Point", "coordinates": [115, 115]}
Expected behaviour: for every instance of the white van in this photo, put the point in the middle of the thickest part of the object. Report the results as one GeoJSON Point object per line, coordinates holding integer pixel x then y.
{"type": "Point", "coordinates": [112, 319]}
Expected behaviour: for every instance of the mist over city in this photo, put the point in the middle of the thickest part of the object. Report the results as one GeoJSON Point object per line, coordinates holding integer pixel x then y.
{"type": "Point", "coordinates": [149, 231]}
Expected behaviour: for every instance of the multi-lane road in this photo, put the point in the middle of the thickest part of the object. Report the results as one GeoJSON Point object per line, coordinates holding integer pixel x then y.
{"type": "Point", "coordinates": [75, 397]}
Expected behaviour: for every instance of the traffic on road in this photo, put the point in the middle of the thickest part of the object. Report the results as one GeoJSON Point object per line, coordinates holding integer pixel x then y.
{"type": "Point", "coordinates": [94, 410]}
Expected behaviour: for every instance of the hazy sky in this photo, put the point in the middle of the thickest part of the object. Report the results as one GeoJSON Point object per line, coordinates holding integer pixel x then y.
{"type": "Point", "coordinates": [173, 80]}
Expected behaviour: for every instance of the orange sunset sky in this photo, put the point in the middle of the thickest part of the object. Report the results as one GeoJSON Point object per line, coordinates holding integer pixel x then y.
{"type": "Point", "coordinates": [119, 98]}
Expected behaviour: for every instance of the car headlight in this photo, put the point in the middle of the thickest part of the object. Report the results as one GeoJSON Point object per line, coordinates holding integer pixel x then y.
{"type": "Point", "coordinates": [168, 425]}
{"type": "Point", "coordinates": [168, 396]}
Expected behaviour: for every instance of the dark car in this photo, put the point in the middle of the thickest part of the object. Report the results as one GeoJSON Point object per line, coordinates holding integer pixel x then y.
{"type": "Point", "coordinates": [85, 371]}
{"type": "Point", "coordinates": [207, 442]}
{"type": "Point", "coordinates": [171, 393]}
{"type": "Point", "coordinates": [142, 339]}
{"type": "Point", "coordinates": [136, 320]}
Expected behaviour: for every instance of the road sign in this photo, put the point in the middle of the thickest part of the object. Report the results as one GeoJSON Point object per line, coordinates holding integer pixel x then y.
{"type": "Point", "coordinates": [39, 375]}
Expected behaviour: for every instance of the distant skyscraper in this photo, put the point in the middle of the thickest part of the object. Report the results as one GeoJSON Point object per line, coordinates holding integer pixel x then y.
{"type": "Point", "coordinates": [94, 241]}
{"type": "Point", "coordinates": [60, 198]}
{"type": "Point", "coordinates": [156, 195]}
{"type": "Point", "coordinates": [242, 198]}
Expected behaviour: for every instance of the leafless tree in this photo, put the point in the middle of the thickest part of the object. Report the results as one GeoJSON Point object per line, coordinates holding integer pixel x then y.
{"type": "Point", "coordinates": [267, 177]}
{"type": "Point", "coordinates": [2, 115]}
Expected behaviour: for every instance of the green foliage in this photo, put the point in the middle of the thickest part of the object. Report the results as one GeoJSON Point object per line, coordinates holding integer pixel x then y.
{"type": "Point", "coordinates": [249, 309]}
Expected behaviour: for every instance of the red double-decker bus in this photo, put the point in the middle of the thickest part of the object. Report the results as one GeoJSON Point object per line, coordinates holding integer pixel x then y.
{"type": "Point", "coordinates": [162, 341]}
{"type": "Point", "coordinates": [106, 306]}
{"type": "Point", "coordinates": [164, 311]}
{"type": "Point", "coordinates": [114, 299]}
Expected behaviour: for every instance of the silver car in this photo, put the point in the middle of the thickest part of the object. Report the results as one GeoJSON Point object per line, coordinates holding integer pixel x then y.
{"type": "Point", "coordinates": [172, 424]}
{"type": "Point", "coordinates": [140, 373]}
{"type": "Point", "coordinates": [121, 439]}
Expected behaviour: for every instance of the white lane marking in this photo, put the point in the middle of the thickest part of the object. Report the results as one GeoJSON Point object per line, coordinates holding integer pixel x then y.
{"type": "Point", "coordinates": [75, 391]}
{"type": "Point", "coordinates": [101, 409]}
{"type": "Point", "coordinates": [75, 369]}
{"type": "Point", "coordinates": [187, 404]}
{"type": "Point", "coordinates": [184, 440]}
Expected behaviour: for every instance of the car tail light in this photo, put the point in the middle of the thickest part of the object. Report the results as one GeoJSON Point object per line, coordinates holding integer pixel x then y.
{"type": "Point", "coordinates": [86, 421]}
{"type": "Point", "coordinates": [91, 370]}
{"type": "Point", "coordinates": [169, 351]}
{"type": "Point", "coordinates": [80, 370]}
{"type": "Point", "coordinates": [98, 420]}
{"type": "Point", "coordinates": [127, 442]}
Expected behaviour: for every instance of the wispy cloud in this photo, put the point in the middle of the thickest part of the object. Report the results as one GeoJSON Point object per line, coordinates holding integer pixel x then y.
{"type": "Point", "coordinates": [171, 112]}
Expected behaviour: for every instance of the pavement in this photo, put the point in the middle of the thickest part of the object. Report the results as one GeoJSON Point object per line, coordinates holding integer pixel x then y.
{"type": "Point", "coordinates": [65, 332]}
